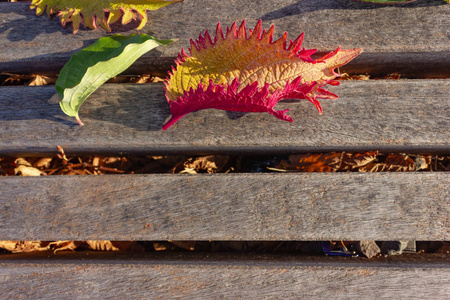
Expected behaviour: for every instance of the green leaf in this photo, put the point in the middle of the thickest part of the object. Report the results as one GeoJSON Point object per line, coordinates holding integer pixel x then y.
{"type": "Point", "coordinates": [92, 66]}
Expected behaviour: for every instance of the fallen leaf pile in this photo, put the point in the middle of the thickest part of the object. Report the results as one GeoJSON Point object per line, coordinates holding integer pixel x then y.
{"type": "Point", "coordinates": [34, 246]}
{"type": "Point", "coordinates": [371, 161]}
{"type": "Point", "coordinates": [40, 79]}
{"type": "Point", "coordinates": [263, 247]}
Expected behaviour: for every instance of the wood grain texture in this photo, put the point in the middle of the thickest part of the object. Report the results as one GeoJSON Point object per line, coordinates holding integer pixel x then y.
{"type": "Point", "coordinates": [314, 206]}
{"type": "Point", "coordinates": [405, 115]}
{"type": "Point", "coordinates": [233, 279]}
{"type": "Point", "coordinates": [411, 39]}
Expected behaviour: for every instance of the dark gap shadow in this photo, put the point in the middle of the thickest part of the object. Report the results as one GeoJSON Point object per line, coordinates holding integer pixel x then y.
{"type": "Point", "coordinates": [306, 6]}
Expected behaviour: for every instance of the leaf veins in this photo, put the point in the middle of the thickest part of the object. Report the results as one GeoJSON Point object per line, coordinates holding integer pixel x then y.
{"type": "Point", "coordinates": [244, 70]}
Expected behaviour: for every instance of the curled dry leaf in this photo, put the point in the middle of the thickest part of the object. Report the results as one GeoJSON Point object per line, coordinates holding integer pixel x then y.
{"type": "Point", "coordinates": [204, 164]}
{"type": "Point", "coordinates": [24, 168]}
{"type": "Point", "coordinates": [244, 70]}
{"type": "Point", "coordinates": [43, 162]}
{"type": "Point", "coordinates": [64, 245]}
{"type": "Point", "coordinates": [23, 246]}
{"type": "Point", "coordinates": [42, 80]}
{"type": "Point", "coordinates": [345, 76]}
{"type": "Point", "coordinates": [96, 245]}
{"type": "Point", "coordinates": [370, 161]}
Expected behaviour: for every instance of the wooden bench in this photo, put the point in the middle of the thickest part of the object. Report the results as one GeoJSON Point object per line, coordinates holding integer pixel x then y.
{"type": "Point", "coordinates": [406, 116]}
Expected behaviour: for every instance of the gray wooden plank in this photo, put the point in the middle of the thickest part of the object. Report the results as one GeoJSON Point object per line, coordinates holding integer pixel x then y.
{"type": "Point", "coordinates": [233, 279]}
{"type": "Point", "coordinates": [405, 115]}
{"type": "Point", "coordinates": [411, 39]}
{"type": "Point", "coordinates": [314, 206]}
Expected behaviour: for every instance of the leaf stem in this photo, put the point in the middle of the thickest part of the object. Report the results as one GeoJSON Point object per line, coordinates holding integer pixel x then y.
{"type": "Point", "coordinates": [79, 120]}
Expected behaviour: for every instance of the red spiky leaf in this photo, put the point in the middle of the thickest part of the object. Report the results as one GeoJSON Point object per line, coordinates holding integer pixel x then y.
{"type": "Point", "coordinates": [249, 73]}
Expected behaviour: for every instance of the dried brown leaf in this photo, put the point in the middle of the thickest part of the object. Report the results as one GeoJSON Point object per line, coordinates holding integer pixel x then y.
{"type": "Point", "coordinates": [392, 163]}
{"type": "Point", "coordinates": [96, 245]}
{"type": "Point", "coordinates": [352, 161]}
{"type": "Point", "coordinates": [23, 246]}
{"type": "Point", "coordinates": [162, 246]}
{"type": "Point", "coordinates": [64, 245]}
{"type": "Point", "coordinates": [422, 162]}
{"type": "Point", "coordinates": [24, 168]}
{"type": "Point", "coordinates": [346, 76]}
{"type": "Point", "coordinates": [157, 79]}
{"type": "Point", "coordinates": [143, 79]}
{"type": "Point", "coordinates": [42, 80]}
{"type": "Point", "coordinates": [205, 164]}
{"type": "Point", "coordinates": [128, 246]}
{"type": "Point", "coordinates": [101, 246]}
{"type": "Point", "coordinates": [43, 162]}
{"type": "Point", "coordinates": [328, 162]}
{"type": "Point", "coordinates": [313, 162]}
{"type": "Point", "coordinates": [186, 245]}
{"type": "Point", "coordinates": [96, 161]}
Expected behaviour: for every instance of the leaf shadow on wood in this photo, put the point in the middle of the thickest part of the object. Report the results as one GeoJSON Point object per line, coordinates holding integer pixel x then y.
{"type": "Point", "coordinates": [306, 6]}
{"type": "Point", "coordinates": [235, 115]}
{"type": "Point", "coordinates": [129, 106]}
{"type": "Point", "coordinates": [52, 63]}
{"type": "Point", "coordinates": [18, 27]}
{"type": "Point", "coordinates": [33, 103]}
{"type": "Point", "coordinates": [142, 107]}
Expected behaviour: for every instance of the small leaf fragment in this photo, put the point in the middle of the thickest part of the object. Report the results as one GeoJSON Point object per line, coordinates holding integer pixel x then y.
{"type": "Point", "coordinates": [92, 13]}
{"type": "Point", "coordinates": [92, 66]}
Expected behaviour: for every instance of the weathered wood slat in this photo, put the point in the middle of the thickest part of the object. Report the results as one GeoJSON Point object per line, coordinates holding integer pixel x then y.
{"type": "Point", "coordinates": [405, 115]}
{"type": "Point", "coordinates": [200, 279]}
{"type": "Point", "coordinates": [343, 206]}
{"type": "Point", "coordinates": [410, 39]}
